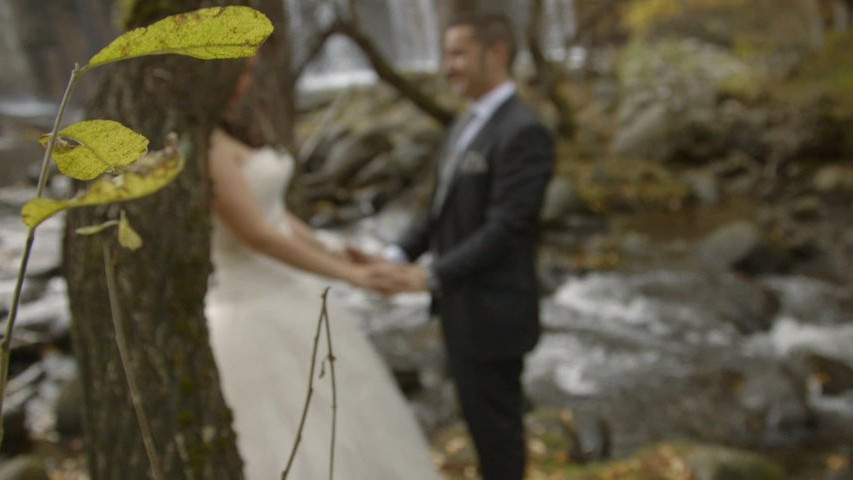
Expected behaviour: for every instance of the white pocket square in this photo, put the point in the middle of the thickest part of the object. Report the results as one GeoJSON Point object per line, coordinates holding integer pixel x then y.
{"type": "Point", "coordinates": [473, 162]}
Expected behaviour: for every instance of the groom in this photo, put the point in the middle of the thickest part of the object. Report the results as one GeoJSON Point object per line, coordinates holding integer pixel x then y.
{"type": "Point", "coordinates": [482, 228]}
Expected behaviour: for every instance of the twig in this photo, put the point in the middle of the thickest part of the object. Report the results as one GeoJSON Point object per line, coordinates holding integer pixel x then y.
{"type": "Point", "coordinates": [124, 355]}
{"type": "Point", "coordinates": [331, 358]}
{"type": "Point", "coordinates": [310, 391]}
{"type": "Point", "coordinates": [328, 119]}
{"type": "Point", "coordinates": [6, 345]}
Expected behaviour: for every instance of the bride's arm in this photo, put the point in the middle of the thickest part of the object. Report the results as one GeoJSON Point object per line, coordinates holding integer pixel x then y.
{"type": "Point", "coordinates": [235, 205]}
{"type": "Point", "coordinates": [306, 233]}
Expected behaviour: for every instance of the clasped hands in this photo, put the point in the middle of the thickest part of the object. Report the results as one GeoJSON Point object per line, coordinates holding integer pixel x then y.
{"type": "Point", "coordinates": [375, 273]}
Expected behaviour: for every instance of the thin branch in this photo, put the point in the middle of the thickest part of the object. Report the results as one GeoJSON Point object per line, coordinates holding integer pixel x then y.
{"type": "Point", "coordinates": [310, 145]}
{"type": "Point", "coordinates": [6, 345]}
{"type": "Point", "coordinates": [331, 357]}
{"type": "Point", "coordinates": [309, 393]}
{"type": "Point", "coordinates": [124, 355]}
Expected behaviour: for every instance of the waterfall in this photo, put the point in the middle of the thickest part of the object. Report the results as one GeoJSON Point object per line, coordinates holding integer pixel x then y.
{"type": "Point", "coordinates": [560, 25]}
{"type": "Point", "coordinates": [412, 42]}
{"type": "Point", "coordinates": [17, 78]}
{"type": "Point", "coordinates": [416, 28]}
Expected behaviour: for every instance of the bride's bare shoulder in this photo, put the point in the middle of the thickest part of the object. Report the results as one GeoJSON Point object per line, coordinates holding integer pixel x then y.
{"type": "Point", "coordinates": [225, 147]}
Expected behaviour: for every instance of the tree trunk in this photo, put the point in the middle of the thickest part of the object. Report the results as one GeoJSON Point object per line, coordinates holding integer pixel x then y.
{"type": "Point", "coordinates": [464, 6]}
{"type": "Point", "coordinates": [161, 287]}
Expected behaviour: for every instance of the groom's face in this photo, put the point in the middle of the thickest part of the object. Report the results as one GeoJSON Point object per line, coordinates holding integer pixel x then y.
{"type": "Point", "coordinates": [464, 62]}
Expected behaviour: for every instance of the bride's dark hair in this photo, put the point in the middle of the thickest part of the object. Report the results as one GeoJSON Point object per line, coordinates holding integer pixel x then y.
{"type": "Point", "coordinates": [245, 116]}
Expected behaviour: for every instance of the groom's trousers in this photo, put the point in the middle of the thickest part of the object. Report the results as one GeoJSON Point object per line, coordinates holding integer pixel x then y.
{"type": "Point", "coordinates": [492, 403]}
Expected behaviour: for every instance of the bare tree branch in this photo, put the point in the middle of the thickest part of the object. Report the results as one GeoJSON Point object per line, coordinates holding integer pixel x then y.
{"type": "Point", "coordinates": [390, 75]}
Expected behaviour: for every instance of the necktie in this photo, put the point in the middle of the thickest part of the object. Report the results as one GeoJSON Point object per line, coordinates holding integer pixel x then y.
{"type": "Point", "coordinates": [453, 153]}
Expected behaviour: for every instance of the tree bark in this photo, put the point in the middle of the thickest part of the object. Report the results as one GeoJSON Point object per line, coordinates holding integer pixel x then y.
{"type": "Point", "coordinates": [464, 6]}
{"type": "Point", "coordinates": [162, 286]}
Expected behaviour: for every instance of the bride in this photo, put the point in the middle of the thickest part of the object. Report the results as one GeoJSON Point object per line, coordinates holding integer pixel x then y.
{"type": "Point", "coordinates": [262, 307]}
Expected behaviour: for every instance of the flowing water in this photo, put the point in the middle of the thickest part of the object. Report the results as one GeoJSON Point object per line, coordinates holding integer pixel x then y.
{"type": "Point", "coordinates": [666, 352]}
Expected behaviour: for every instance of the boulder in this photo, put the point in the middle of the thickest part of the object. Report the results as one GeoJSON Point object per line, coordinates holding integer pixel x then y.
{"type": "Point", "coordinates": [561, 200]}
{"type": "Point", "coordinates": [69, 409]}
{"type": "Point", "coordinates": [729, 245]}
{"type": "Point", "coordinates": [721, 463]}
{"type": "Point", "coordinates": [23, 468]}
{"type": "Point", "coordinates": [836, 179]}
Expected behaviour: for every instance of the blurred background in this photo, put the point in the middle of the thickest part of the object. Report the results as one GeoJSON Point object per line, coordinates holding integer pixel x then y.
{"type": "Point", "coordinates": [697, 253]}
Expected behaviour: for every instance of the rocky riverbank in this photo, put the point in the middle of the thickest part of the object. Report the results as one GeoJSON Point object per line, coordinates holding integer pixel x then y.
{"type": "Point", "coordinates": [696, 264]}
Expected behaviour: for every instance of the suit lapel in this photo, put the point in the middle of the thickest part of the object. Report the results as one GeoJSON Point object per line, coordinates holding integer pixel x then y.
{"type": "Point", "coordinates": [479, 143]}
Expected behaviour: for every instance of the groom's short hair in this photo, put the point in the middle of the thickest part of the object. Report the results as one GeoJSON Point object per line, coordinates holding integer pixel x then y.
{"type": "Point", "coordinates": [490, 29]}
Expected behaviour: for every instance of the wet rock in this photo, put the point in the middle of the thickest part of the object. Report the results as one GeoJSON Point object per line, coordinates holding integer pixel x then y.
{"type": "Point", "coordinates": [704, 186]}
{"type": "Point", "coordinates": [778, 403]}
{"type": "Point", "coordinates": [415, 159]}
{"type": "Point", "coordinates": [436, 405]}
{"type": "Point", "coordinates": [561, 199]}
{"type": "Point", "coordinates": [23, 468]}
{"type": "Point", "coordinates": [806, 208]}
{"type": "Point", "coordinates": [348, 155]}
{"type": "Point", "coordinates": [743, 247]}
{"type": "Point", "coordinates": [729, 245]}
{"type": "Point", "coordinates": [670, 111]}
{"type": "Point", "coordinates": [817, 303]}
{"type": "Point", "coordinates": [735, 165]}
{"type": "Point", "coordinates": [16, 159]}
{"type": "Point", "coordinates": [69, 409]}
{"type": "Point", "coordinates": [49, 314]}
{"type": "Point", "coordinates": [591, 439]}
{"type": "Point", "coordinates": [316, 149]}
{"type": "Point", "coordinates": [834, 376]}
{"type": "Point", "coordinates": [646, 136]}
{"type": "Point", "coordinates": [31, 290]}
{"type": "Point", "coordinates": [382, 167]}
{"type": "Point", "coordinates": [16, 437]}
{"type": "Point", "coordinates": [834, 179]}
{"type": "Point", "coordinates": [720, 463]}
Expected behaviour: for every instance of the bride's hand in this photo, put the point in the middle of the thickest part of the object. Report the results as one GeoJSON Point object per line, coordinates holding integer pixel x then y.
{"type": "Point", "coordinates": [356, 255]}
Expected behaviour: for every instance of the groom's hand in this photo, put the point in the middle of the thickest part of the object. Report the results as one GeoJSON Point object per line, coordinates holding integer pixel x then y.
{"type": "Point", "coordinates": [411, 278]}
{"type": "Point", "coordinates": [388, 278]}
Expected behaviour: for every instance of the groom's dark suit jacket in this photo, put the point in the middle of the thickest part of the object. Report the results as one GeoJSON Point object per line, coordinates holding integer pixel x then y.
{"type": "Point", "coordinates": [484, 236]}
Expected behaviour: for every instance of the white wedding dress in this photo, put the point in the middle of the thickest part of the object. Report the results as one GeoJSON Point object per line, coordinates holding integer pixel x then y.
{"type": "Point", "coordinates": [263, 316]}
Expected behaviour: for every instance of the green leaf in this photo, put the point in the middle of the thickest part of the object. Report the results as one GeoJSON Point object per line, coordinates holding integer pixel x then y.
{"type": "Point", "coordinates": [87, 149]}
{"type": "Point", "coordinates": [127, 236]}
{"type": "Point", "coordinates": [95, 229]}
{"type": "Point", "coordinates": [207, 33]}
{"type": "Point", "coordinates": [148, 175]}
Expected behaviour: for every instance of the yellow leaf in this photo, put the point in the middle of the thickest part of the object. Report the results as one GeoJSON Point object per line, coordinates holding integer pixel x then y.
{"type": "Point", "coordinates": [207, 33]}
{"type": "Point", "coordinates": [87, 149]}
{"type": "Point", "coordinates": [148, 175]}
{"type": "Point", "coordinates": [95, 229]}
{"type": "Point", "coordinates": [127, 236]}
